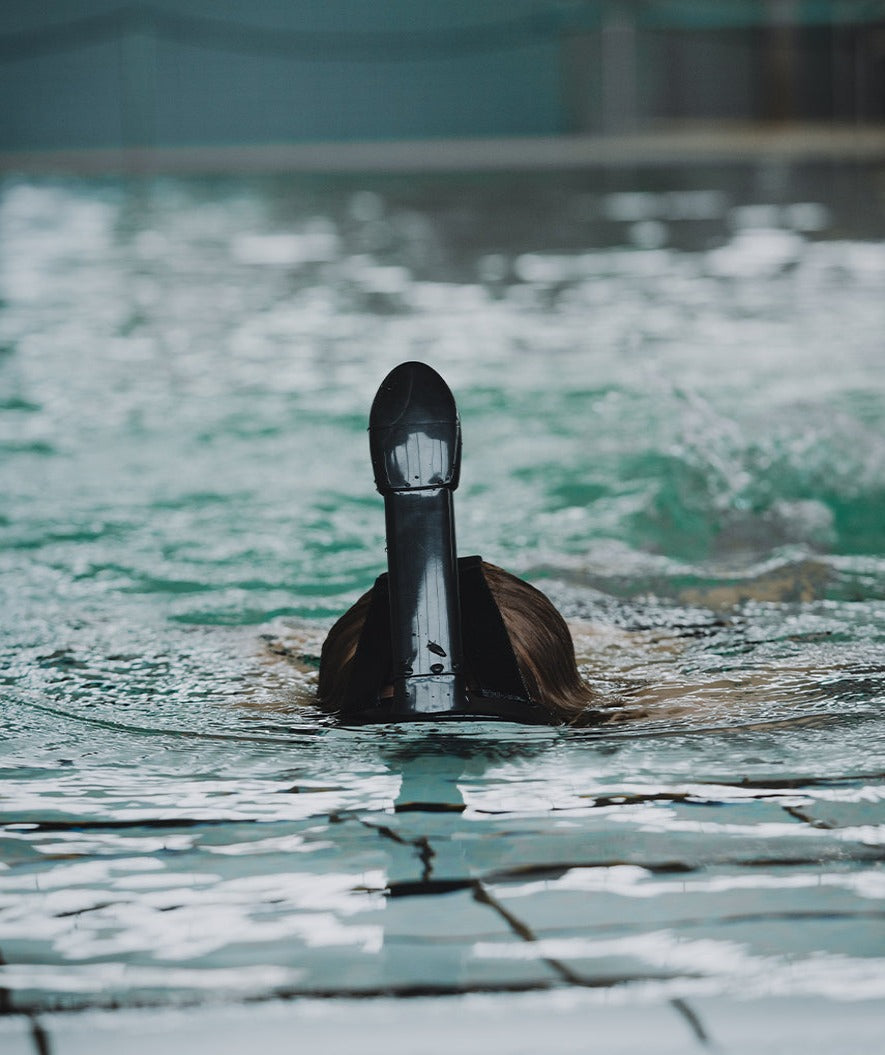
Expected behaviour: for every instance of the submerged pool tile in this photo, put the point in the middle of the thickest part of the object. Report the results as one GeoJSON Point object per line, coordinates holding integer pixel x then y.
{"type": "Point", "coordinates": [557, 1023]}
{"type": "Point", "coordinates": [795, 1025]}
{"type": "Point", "coordinates": [446, 916]}
{"type": "Point", "coordinates": [404, 963]}
{"type": "Point", "coordinates": [17, 1035]}
{"type": "Point", "coordinates": [520, 1024]}
{"type": "Point", "coordinates": [627, 896]}
{"type": "Point", "coordinates": [707, 924]}
{"type": "Point", "coordinates": [688, 843]}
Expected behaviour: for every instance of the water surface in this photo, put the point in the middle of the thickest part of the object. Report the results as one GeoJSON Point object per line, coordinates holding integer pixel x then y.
{"type": "Point", "coordinates": [673, 406]}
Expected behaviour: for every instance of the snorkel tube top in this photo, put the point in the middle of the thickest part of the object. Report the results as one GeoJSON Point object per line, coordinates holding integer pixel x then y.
{"type": "Point", "coordinates": [412, 638]}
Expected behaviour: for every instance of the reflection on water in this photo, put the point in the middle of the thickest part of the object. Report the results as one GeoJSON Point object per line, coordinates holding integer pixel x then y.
{"type": "Point", "coordinates": [672, 405]}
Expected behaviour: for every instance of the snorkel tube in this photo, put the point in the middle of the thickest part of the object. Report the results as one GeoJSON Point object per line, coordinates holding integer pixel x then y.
{"type": "Point", "coordinates": [415, 445]}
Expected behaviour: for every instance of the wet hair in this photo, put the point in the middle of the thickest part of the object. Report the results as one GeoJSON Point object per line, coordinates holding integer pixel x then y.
{"type": "Point", "coordinates": [539, 635]}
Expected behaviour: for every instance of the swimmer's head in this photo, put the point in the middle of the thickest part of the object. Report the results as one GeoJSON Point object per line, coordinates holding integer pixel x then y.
{"type": "Point", "coordinates": [439, 638]}
{"type": "Point", "coordinates": [539, 637]}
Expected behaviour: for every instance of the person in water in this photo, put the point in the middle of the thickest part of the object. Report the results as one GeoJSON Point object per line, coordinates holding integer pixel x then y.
{"type": "Point", "coordinates": [539, 637]}
{"type": "Point", "coordinates": [438, 638]}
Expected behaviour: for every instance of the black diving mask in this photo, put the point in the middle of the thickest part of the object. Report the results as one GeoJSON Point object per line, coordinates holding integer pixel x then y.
{"type": "Point", "coordinates": [433, 631]}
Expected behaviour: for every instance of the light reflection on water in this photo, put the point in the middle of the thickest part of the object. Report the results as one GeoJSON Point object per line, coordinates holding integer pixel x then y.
{"type": "Point", "coordinates": [674, 426]}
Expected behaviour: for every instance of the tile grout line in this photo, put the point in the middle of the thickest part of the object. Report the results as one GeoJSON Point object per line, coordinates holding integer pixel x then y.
{"type": "Point", "coordinates": [693, 1019]}
{"type": "Point", "coordinates": [39, 1036]}
{"type": "Point", "coordinates": [806, 818]}
{"type": "Point", "coordinates": [426, 853]}
{"type": "Point", "coordinates": [567, 974]}
{"type": "Point", "coordinates": [482, 894]}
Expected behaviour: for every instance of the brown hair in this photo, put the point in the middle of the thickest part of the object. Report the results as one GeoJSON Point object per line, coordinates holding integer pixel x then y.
{"type": "Point", "coordinates": [539, 635]}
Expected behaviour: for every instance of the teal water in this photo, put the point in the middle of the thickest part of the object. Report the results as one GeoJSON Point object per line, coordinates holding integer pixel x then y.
{"type": "Point", "coordinates": [673, 406]}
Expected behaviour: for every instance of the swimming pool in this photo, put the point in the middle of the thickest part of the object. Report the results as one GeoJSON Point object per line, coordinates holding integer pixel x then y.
{"type": "Point", "coordinates": [672, 403]}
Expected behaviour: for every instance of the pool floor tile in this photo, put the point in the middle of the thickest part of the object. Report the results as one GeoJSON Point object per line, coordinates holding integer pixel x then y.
{"type": "Point", "coordinates": [556, 1023]}
{"type": "Point", "coordinates": [17, 1035]}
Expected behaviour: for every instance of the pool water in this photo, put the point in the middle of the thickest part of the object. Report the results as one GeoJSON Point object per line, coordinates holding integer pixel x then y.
{"type": "Point", "coordinates": [673, 405]}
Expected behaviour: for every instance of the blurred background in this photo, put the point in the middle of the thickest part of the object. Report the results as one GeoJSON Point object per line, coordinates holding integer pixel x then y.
{"type": "Point", "coordinates": [251, 78]}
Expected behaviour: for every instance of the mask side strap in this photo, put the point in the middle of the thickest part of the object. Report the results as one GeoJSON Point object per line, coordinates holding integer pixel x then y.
{"type": "Point", "coordinates": [488, 651]}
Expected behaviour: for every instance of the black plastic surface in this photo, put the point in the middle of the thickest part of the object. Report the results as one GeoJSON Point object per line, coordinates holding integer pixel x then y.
{"type": "Point", "coordinates": [415, 444]}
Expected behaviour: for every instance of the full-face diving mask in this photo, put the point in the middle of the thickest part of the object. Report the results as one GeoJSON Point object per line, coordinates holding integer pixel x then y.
{"type": "Point", "coordinates": [433, 632]}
